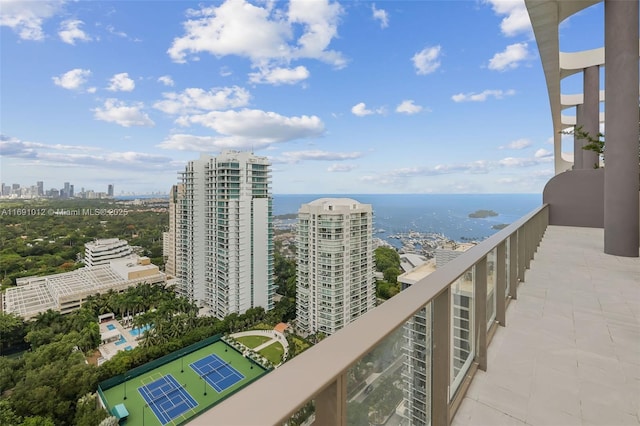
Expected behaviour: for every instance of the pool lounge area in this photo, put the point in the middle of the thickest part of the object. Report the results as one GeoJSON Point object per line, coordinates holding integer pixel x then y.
{"type": "Point", "coordinates": [137, 332]}
{"type": "Point", "coordinates": [115, 337]}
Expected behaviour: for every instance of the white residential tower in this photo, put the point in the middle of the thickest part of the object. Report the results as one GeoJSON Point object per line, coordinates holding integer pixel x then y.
{"type": "Point", "coordinates": [224, 233]}
{"type": "Point", "coordinates": [335, 266]}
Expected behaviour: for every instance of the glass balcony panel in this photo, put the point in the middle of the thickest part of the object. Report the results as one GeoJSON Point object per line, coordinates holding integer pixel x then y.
{"type": "Point", "coordinates": [463, 336]}
{"type": "Point", "coordinates": [304, 416]}
{"type": "Point", "coordinates": [376, 383]}
{"type": "Point", "coordinates": [491, 285]}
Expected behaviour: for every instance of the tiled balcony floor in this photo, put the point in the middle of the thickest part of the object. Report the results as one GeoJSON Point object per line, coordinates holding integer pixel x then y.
{"type": "Point", "coordinates": [570, 353]}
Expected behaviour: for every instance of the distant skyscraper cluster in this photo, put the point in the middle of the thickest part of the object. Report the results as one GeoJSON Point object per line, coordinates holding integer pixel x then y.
{"type": "Point", "coordinates": [37, 191]}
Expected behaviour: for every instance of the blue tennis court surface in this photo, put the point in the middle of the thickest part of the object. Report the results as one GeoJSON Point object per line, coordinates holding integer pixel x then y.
{"type": "Point", "coordinates": [167, 398]}
{"type": "Point", "coordinates": [219, 374]}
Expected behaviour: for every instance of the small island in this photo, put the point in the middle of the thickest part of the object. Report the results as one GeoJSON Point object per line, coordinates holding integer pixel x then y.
{"type": "Point", "coordinates": [481, 214]}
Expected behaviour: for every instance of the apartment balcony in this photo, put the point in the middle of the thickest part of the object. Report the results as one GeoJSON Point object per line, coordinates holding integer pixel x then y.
{"type": "Point", "coordinates": [570, 353]}
{"type": "Point", "coordinates": [564, 347]}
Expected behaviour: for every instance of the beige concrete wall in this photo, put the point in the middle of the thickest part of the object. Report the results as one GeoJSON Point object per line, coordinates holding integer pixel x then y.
{"type": "Point", "coordinates": [135, 275]}
{"type": "Point", "coordinates": [576, 198]}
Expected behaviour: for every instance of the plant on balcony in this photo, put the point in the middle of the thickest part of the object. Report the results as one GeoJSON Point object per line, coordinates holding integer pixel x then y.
{"type": "Point", "coordinates": [595, 144]}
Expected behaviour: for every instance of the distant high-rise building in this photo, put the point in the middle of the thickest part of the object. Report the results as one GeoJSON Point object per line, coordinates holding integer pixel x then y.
{"type": "Point", "coordinates": [66, 190]}
{"type": "Point", "coordinates": [71, 193]}
{"type": "Point", "coordinates": [40, 185]}
{"type": "Point", "coordinates": [6, 190]}
{"type": "Point", "coordinates": [169, 244]}
{"type": "Point", "coordinates": [224, 233]}
{"type": "Point", "coordinates": [335, 266]}
{"type": "Point", "coordinates": [110, 190]}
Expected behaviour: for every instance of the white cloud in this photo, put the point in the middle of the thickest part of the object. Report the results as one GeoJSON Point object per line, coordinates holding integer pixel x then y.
{"type": "Point", "coordinates": [195, 100]}
{"type": "Point", "coordinates": [246, 129]}
{"type": "Point", "coordinates": [112, 30]}
{"type": "Point", "coordinates": [186, 142]}
{"type": "Point", "coordinates": [70, 32]}
{"type": "Point", "coordinates": [265, 35]}
{"type": "Point", "coordinates": [427, 60]}
{"type": "Point", "coordinates": [121, 83]}
{"type": "Point", "coordinates": [316, 155]}
{"type": "Point", "coordinates": [516, 20]}
{"type": "Point", "coordinates": [119, 112]}
{"type": "Point", "coordinates": [380, 15]}
{"type": "Point", "coordinates": [400, 175]}
{"type": "Point", "coordinates": [166, 80]}
{"type": "Point", "coordinates": [320, 21]}
{"type": "Point", "coordinates": [482, 96]}
{"type": "Point", "coordinates": [26, 17]}
{"type": "Point", "coordinates": [72, 80]}
{"type": "Point", "coordinates": [517, 144]}
{"type": "Point", "coordinates": [510, 58]}
{"type": "Point", "coordinates": [277, 76]}
{"type": "Point", "coordinates": [361, 110]}
{"type": "Point", "coordinates": [543, 153]}
{"type": "Point", "coordinates": [524, 162]}
{"type": "Point", "coordinates": [408, 107]}
{"type": "Point", "coordinates": [340, 168]}
{"type": "Point", "coordinates": [82, 156]}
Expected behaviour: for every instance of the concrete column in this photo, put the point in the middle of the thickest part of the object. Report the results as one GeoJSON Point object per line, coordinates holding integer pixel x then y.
{"type": "Point", "coordinates": [577, 142]}
{"type": "Point", "coordinates": [591, 113]}
{"type": "Point", "coordinates": [621, 117]}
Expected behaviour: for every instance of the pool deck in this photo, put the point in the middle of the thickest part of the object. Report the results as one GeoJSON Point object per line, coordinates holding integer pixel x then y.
{"type": "Point", "coordinates": [108, 350]}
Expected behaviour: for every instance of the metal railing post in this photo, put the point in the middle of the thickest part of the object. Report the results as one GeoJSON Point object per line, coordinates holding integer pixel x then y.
{"type": "Point", "coordinates": [441, 358]}
{"type": "Point", "coordinates": [522, 241]}
{"type": "Point", "coordinates": [331, 404]}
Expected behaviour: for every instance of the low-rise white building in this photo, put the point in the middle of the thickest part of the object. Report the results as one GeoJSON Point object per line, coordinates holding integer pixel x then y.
{"type": "Point", "coordinates": [101, 252]}
{"type": "Point", "coordinates": [67, 291]}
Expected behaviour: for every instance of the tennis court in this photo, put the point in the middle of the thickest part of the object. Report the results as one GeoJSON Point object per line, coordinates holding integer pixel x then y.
{"type": "Point", "coordinates": [167, 398]}
{"type": "Point", "coordinates": [219, 374]}
{"type": "Point", "coordinates": [170, 393]}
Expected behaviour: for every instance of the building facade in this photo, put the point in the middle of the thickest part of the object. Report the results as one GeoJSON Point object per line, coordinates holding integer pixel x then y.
{"type": "Point", "coordinates": [224, 233]}
{"type": "Point", "coordinates": [169, 238]}
{"type": "Point", "coordinates": [101, 252]}
{"type": "Point", "coordinates": [335, 264]}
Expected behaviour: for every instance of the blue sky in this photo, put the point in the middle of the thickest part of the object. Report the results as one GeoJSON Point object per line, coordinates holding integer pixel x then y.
{"type": "Point", "coordinates": [343, 97]}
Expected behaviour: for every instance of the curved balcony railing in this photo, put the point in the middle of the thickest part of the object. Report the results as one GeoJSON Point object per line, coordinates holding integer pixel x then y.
{"type": "Point", "coordinates": [412, 357]}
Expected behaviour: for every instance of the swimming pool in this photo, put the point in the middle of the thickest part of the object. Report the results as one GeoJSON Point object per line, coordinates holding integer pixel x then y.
{"type": "Point", "coordinates": [121, 341]}
{"type": "Point", "coordinates": [111, 327]}
{"type": "Point", "coordinates": [127, 348]}
{"type": "Point", "coordinates": [138, 331]}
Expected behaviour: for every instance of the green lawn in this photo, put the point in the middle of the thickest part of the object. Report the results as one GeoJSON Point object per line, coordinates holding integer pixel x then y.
{"type": "Point", "coordinates": [253, 341]}
{"type": "Point", "coordinates": [187, 377]}
{"type": "Point", "coordinates": [273, 352]}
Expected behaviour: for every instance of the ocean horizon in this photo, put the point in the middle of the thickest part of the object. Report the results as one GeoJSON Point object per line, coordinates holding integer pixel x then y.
{"type": "Point", "coordinates": [446, 214]}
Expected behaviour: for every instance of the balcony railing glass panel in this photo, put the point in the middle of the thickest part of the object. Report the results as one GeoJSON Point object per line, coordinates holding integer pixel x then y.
{"type": "Point", "coordinates": [375, 382]}
{"type": "Point", "coordinates": [463, 336]}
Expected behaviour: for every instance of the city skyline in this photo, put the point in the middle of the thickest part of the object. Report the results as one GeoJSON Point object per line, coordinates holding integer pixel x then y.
{"type": "Point", "coordinates": [343, 98]}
